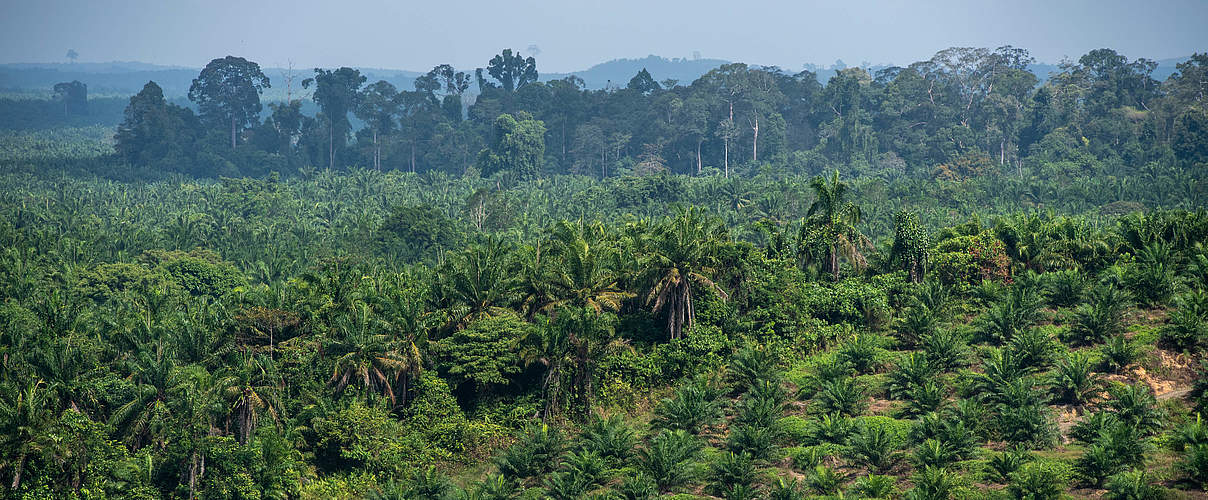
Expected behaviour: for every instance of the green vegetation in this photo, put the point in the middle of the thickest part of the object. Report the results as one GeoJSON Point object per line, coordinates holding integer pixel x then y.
{"type": "Point", "coordinates": [855, 307]}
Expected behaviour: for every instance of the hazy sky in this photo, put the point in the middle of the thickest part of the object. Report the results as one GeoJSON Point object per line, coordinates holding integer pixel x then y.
{"type": "Point", "coordinates": [574, 34]}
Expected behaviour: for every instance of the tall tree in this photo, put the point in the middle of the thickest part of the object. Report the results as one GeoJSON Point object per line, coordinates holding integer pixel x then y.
{"type": "Point", "coordinates": [377, 107]}
{"type": "Point", "coordinates": [228, 92]}
{"type": "Point", "coordinates": [512, 70]}
{"type": "Point", "coordinates": [154, 130]}
{"type": "Point", "coordinates": [337, 92]}
{"type": "Point", "coordinates": [74, 96]}
{"type": "Point", "coordinates": [643, 82]}
{"type": "Point", "coordinates": [518, 147]}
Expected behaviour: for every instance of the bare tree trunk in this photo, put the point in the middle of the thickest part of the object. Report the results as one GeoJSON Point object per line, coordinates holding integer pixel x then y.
{"type": "Point", "coordinates": [232, 131]}
{"type": "Point", "coordinates": [699, 141]}
{"type": "Point", "coordinates": [727, 161]}
{"type": "Point", "coordinates": [834, 263]}
{"type": "Point", "coordinates": [17, 472]}
{"type": "Point", "coordinates": [331, 145]}
{"type": "Point", "coordinates": [192, 475]}
{"type": "Point", "coordinates": [755, 141]}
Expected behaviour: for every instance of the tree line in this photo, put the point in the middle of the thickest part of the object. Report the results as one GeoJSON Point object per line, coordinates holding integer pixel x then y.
{"type": "Point", "coordinates": [965, 112]}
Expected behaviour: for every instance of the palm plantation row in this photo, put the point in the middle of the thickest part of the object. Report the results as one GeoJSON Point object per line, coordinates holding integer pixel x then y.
{"type": "Point", "coordinates": [521, 343]}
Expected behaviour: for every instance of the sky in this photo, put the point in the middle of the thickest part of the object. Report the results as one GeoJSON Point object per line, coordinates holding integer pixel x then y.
{"type": "Point", "coordinates": [575, 34]}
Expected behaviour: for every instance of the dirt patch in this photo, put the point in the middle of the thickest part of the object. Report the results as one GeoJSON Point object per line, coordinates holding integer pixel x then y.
{"type": "Point", "coordinates": [1169, 374]}
{"type": "Point", "coordinates": [1145, 316]}
{"type": "Point", "coordinates": [1067, 417]}
{"type": "Point", "coordinates": [880, 406]}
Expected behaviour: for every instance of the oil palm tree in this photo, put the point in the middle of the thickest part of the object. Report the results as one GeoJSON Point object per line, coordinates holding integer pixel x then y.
{"type": "Point", "coordinates": [480, 282]}
{"type": "Point", "coordinates": [582, 276]}
{"type": "Point", "coordinates": [550, 347]}
{"type": "Point", "coordinates": [368, 358]}
{"type": "Point", "coordinates": [829, 230]}
{"type": "Point", "coordinates": [25, 414]}
{"type": "Point", "coordinates": [146, 418]}
{"type": "Point", "coordinates": [681, 256]}
{"type": "Point", "coordinates": [250, 390]}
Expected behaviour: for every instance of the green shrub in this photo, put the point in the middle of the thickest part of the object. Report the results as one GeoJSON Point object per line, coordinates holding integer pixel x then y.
{"type": "Point", "coordinates": [863, 352]}
{"type": "Point", "coordinates": [875, 446]}
{"type": "Point", "coordinates": [587, 467]}
{"type": "Point", "coordinates": [1136, 406]}
{"type": "Point", "coordinates": [1073, 381]}
{"type": "Point", "coordinates": [912, 370]}
{"type": "Point", "coordinates": [1035, 348]}
{"type": "Point", "coordinates": [795, 428]}
{"type": "Point", "coordinates": [1118, 353]}
{"type": "Point", "coordinates": [694, 406]}
{"type": "Point", "coordinates": [1012, 314]}
{"type": "Point", "coordinates": [947, 429]}
{"type": "Point", "coordinates": [1187, 330]}
{"type": "Point", "coordinates": [946, 350]}
{"type": "Point", "coordinates": [536, 453]}
{"type": "Point", "coordinates": [611, 438]}
{"type": "Point", "coordinates": [1194, 465]}
{"type": "Point", "coordinates": [1038, 480]}
{"type": "Point", "coordinates": [1102, 317]}
{"type": "Point", "coordinates": [1030, 424]}
{"type": "Point", "coordinates": [1133, 485]}
{"type": "Point", "coordinates": [833, 428]}
{"type": "Point", "coordinates": [731, 469]}
{"type": "Point", "coordinates": [1001, 465]}
{"type": "Point", "coordinates": [1117, 447]}
{"type": "Point", "coordinates": [669, 459]}
{"type": "Point", "coordinates": [1065, 288]}
{"type": "Point", "coordinates": [875, 486]}
{"type": "Point", "coordinates": [844, 396]}
{"type": "Point", "coordinates": [359, 437]}
{"type": "Point", "coordinates": [786, 489]}
{"type": "Point", "coordinates": [1199, 389]}
{"type": "Point", "coordinates": [1192, 434]}
{"type": "Point", "coordinates": [761, 407]}
{"type": "Point", "coordinates": [760, 442]}
{"type": "Point", "coordinates": [925, 398]}
{"type": "Point", "coordinates": [637, 486]}
{"type": "Point", "coordinates": [1151, 277]}
{"type": "Point", "coordinates": [749, 365]}
{"type": "Point", "coordinates": [933, 453]}
{"type": "Point", "coordinates": [824, 481]}
{"type": "Point", "coordinates": [420, 483]}
{"type": "Point", "coordinates": [934, 296]}
{"type": "Point", "coordinates": [916, 322]}
{"type": "Point", "coordinates": [932, 483]}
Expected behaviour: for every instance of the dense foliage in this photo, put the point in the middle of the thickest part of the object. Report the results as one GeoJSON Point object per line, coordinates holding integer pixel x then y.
{"type": "Point", "coordinates": [518, 317]}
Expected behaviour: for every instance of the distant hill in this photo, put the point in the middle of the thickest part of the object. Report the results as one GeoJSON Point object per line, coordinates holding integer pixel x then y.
{"type": "Point", "coordinates": [127, 78]}
{"type": "Point", "coordinates": [619, 71]}
{"type": "Point", "coordinates": [124, 78]}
